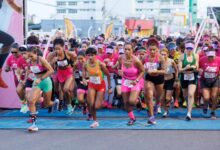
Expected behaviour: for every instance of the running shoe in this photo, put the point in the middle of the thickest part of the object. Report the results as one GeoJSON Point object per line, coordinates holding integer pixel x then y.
{"type": "Point", "coordinates": [131, 122]}
{"type": "Point", "coordinates": [165, 114]}
{"type": "Point", "coordinates": [24, 108]}
{"type": "Point", "coordinates": [109, 106]}
{"type": "Point", "coordinates": [159, 110]}
{"type": "Point", "coordinates": [188, 117]}
{"type": "Point", "coordinates": [105, 104]}
{"type": "Point", "coordinates": [152, 120]}
{"type": "Point", "coordinates": [33, 128]}
{"type": "Point", "coordinates": [176, 103]}
{"type": "Point", "coordinates": [69, 110]}
{"type": "Point", "coordinates": [184, 104]}
{"type": "Point", "coordinates": [213, 115]}
{"type": "Point", "coordinates": [95, 124]}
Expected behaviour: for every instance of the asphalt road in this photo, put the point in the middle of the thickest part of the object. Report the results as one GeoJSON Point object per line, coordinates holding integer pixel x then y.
{"type": "Point", "coordinates": [109, 140]}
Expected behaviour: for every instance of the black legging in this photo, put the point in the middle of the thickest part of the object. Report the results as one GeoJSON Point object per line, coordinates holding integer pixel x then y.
{"type": "Point", "coordinates": [7, 40]}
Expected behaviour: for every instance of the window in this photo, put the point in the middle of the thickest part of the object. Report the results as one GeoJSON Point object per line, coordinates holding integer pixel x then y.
{"type": "Point", "coordinates": [140, 1]}
{"type": "Point", "coordinates": [165, 2]}
{"type": "Point", "coordinates": [150, 1]}
{"type": "Point", "coordinates": [72, 11]}
{"type": "Point", "coordinates": [61, 11]}
{"type": "Point", "coordinates": [178, 2]}
{"type": "Point", "coordinates": [72, 3]}
{"type": "Point", "coordinates": [164, 11]}
{"type": "Point", "coordinates": [93, 2]}
{"type": "Point", "coordinates": [86, 2]}
{"type": "Point", "coordinates": [61, 3]}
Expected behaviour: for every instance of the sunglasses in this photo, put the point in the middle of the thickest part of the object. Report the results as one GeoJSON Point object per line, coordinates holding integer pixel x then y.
{"type": "Point", "coordinates": [127, 49]}
{"type": "Point", "coordinates": [14, 52]}
{"type": "Point", "coordinates": [163, 54]}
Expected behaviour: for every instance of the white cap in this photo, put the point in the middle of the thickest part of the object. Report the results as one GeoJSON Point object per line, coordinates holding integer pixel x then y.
{"type": "Point", "coordinates": [100, 46]}
{"type": "Point", "coordinates": [109, 50]}
{"type": "Point", "coordinates": [211, 53]}
{"type": "Point", "coordinates": [121, 51]}
{"type": "Point", "coordinates": [120, 43]}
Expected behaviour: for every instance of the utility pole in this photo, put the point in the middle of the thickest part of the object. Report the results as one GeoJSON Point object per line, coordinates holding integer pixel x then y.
{"type": "Point", "coordinates": [104, 17]}
{"type": "Point", "coordinates": [25, 20]}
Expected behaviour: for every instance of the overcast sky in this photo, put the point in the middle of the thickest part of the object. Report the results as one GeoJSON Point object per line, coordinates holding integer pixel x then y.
{"type": "Point", "coordinates": [39, 9]}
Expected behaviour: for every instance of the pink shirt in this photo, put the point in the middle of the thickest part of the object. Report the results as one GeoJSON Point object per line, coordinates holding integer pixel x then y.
{"type": "Point", "coordinates": [12, 62]}
{"type": "Point", "coordinates": [112, 61]}
{"type": "Point", "coordinates": [210, 69]}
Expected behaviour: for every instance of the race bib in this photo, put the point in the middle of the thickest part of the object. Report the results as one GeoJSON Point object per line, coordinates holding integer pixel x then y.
{"type": "Point", "coordinates": [62, 63]}
{"type": "Point", "coordinates": [35, 69]}
{"type": "Point", "coordinates": [110, 64]}
{"type": "Point", "coordinates": [31, 76]}
{"type": "Point", "coordinates": [95, 80]}
{"type": "Point", "coordinates": [119, 81]}
{"type": "Point", "coordinates": [77, 76]}
{"type": "Point", "coordinates": [189, 77]}
{"type": "Point", "coordinates": [208, 75]}
{"type": "Point", "coordinates": [151, 66]}
{"type": "Point", "coordinates": [127, 83]}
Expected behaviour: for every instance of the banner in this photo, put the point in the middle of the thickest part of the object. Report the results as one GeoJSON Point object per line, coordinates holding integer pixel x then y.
{"type": "Point", "coordinates": [109, 30]}
{"type": "Point", "coordinates": [69, 27]}
{"type": "Point", "coordinates": [11, 22]}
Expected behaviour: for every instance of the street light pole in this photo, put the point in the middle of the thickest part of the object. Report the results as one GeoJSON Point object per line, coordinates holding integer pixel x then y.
{"type": "Point", "coordinates": [104, 17]}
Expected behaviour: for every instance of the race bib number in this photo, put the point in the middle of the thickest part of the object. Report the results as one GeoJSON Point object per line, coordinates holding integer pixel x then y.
{"type": "Point", "coordinates": [77, 76]}
{"type": "Point", "coordinates": [127, 83]}
{"type": "Point", "coordinates": [31, 76]}
{"type": "Point", "coordinates": [119, 81]}
{"type": "Point", "coordinates": [62, 63]}
{"type": "Point", "coordinates": [35, 69]}
{"type": "Point", "coordinates": [151, 66]}
{"type": "Point", "coordinates": [95, 80]}
{"type": "Point", "coordinates": [208, 75]}
{"type": "Point", "coordinates": [189, 77]}
{"type": "Point", "coordinates": [110, 64]}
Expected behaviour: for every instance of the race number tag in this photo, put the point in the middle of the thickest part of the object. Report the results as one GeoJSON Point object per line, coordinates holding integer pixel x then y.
{"type": "Point", "coordinates": [151, 66]}
{"type": "Point", "coordinates": [189, 77]}
{"type": "Point", "coordinates": [62, 63]}
{"type": "Point", "coordinates": [110, 63]}
{"type": "Point", "coordinates": [95, 80]}
{"type": "Point", "coordinates": [31, 76]}
{"type": "Point", "coordinates": [208, 75]}
{"type": "Point", "coordinates": [119, 81]}
{"type": "Point", "coordinates": [35, 69]}
{"type": "Point", "coordinates": [127, 83]}
{"type": "Point", "coordinates": [77, 76]}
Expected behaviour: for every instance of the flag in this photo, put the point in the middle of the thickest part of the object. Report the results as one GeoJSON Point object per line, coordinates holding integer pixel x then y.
{"type": "Point", "coordinates": [109, 30]}
{"type": "Point", "coordinates": [69, 27]}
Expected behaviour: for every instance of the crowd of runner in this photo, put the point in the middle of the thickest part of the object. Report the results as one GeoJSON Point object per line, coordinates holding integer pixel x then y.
{"type": "Point", "coordinates": [151, 73]}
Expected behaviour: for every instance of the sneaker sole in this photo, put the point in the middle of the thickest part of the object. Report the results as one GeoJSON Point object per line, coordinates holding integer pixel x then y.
{"type": "Point", "coordinates": [32, 130]}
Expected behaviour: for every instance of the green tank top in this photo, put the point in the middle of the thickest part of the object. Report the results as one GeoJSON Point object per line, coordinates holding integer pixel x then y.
{"type": "Point", "coordinates": [185, 62]}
